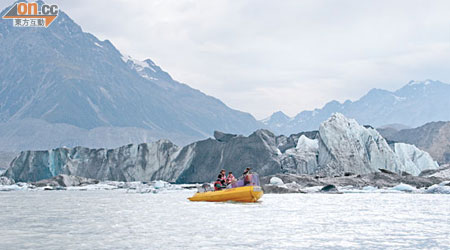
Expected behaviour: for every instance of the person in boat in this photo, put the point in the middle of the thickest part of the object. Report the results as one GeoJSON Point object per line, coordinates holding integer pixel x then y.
{"type": "Point", "coordinates": [223, 177]}
{"type": "Point", "coordinates": [218, 184]}
{"type": "Point", "coordinates": [230, 178]}
{"type": "Point", "coordinates": [247, 176]}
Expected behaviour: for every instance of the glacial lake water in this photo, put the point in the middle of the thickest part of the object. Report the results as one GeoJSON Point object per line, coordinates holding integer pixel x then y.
{"type": "Point", "coordinates": [118, 220]}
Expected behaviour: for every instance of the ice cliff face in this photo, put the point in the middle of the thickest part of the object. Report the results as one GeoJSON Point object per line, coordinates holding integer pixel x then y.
{"type": "Point", "coordinates": [198, 162]}
{"type": "Point", "coordinates": [413, 158]}
{"type": "Point", "coordinates": [132, 162]}
{"type": "Point", "coordinates": [341, 145]}
{"type": "Point", "coordinates": [345, 146]}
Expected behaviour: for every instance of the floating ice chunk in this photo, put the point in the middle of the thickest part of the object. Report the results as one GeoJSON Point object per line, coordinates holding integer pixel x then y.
{"type": "Point", "coordinates": [160, 184]}
{"type": "Point", "coordinates": [442, 188]}
{"type": "Point", "coordinates": [436, 189]}
{"type": "Point", "coordinates": [276, 181]}
{"type": "Point", "coordinates": [404, 188]}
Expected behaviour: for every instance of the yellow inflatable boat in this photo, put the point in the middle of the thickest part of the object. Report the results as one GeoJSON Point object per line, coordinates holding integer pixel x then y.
{"type": "Point", "coordinates": [240, 194]}
{"type": "Point", "coordinates": [248, 191]}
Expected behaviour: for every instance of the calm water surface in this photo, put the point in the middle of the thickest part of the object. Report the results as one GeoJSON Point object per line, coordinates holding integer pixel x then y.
{"type": "Point", "coordinates": [120, 220]}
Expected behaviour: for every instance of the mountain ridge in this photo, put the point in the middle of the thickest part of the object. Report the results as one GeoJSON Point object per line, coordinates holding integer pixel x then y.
{"type": "Point", "coordinates": [413, 105]}
{"type": "Point", "coordinates": [433, 137]}
{"type": "Point", "coordinates": [63, 75]}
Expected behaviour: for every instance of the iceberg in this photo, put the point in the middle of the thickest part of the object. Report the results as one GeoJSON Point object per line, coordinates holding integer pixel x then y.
{"type": "Point", "coordinates": [442, 188]}
{"type": "Point", "coordinates": [413, 159]}
{"type": "Point", "coordinates": [346, 146]}
{"type": "Point", "coordinates": [276, 181]}
{"type": "Point", "coordinates": [404, 188]}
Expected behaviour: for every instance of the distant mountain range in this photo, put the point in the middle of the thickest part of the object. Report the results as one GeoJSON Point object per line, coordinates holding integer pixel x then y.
{"type": "Point", "coordinates": [63, 79]}
{"type": "Point", "coordinates": [433, 137]}
{"type": "Point", "coordinates": [62, 87]}
{"type": "Point", "coordinates": [415, 104]}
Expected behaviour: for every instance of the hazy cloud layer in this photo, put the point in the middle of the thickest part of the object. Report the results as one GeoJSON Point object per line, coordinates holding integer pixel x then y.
{"type": "Point", "coordinates": [264, 56]}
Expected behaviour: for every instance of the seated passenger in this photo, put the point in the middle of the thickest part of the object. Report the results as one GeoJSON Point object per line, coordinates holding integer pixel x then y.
{"type": "Point", "coordinates": [230, 178]}
{"type": "Point", "coordinates": [218, 184]}
{"type": "Point", "coordinates": [223, 177]}
{"type": "Point", "coordinates": [247, 176]}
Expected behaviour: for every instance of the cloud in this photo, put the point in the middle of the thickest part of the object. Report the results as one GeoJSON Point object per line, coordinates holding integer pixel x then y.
{"type": "Point", "coordinates": [264, 56]}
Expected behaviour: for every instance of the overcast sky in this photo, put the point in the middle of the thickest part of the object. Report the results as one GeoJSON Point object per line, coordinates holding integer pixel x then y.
{"type": "Point", "coordinates": [264, 56]}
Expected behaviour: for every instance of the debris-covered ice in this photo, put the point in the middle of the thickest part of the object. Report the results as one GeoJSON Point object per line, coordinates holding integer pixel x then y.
{"type": "Point", "coordinates": [293, 187]}
{"type": "Point", "coordinates": [132, 187]}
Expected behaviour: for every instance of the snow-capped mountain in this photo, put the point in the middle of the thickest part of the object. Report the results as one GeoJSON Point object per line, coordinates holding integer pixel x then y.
{"type": "Point", "coordinates": [62, 76]}
{"type": "Point", "coordinates": [415, 104]}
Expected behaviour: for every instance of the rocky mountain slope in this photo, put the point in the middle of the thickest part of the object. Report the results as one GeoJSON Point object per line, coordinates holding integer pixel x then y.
{"type": "Point", "coordinates": [415, 104]}
{"type": "Point", "coordinates": [340, 145]}
{"type": "Point", "coordinates": [63, 78]}
{"type": "Point", "coordinates": [433, 137]}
